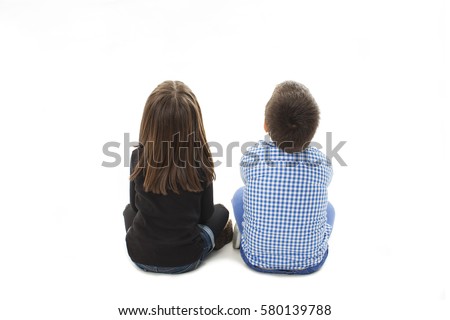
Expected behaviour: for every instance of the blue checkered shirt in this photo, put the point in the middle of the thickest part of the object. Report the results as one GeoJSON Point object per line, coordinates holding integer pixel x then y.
{"type": "Point", "coordinates": [285, 201]}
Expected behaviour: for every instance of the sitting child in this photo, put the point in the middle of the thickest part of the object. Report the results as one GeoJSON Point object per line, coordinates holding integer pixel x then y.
{"type": "Point", "coordinates": [172, 223]}
{"type": "Point", "coordinates": [284, 219]}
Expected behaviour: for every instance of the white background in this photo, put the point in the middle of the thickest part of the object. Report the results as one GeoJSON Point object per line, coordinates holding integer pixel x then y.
{"type": "Point", "coordinates": [75, 75]}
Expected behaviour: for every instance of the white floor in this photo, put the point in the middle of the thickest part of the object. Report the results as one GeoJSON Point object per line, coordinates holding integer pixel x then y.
{"type": "Point", "coordinates": [75, 75]}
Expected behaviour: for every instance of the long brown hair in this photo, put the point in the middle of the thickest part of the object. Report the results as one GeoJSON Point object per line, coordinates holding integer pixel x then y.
{"type": "Point", "coordinates": [173, 152]}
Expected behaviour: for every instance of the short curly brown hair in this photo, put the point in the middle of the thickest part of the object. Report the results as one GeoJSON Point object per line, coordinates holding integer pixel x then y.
{"type": "Point", "coordinates": [292, 116]}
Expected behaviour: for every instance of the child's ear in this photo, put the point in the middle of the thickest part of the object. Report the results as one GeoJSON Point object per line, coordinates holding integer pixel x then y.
{"type": "Point", "coordinates": [266, 128]}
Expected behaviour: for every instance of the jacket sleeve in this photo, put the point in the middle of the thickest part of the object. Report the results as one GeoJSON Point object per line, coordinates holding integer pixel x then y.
{"type": "Point", "coordinates": [207, 205]}
{"type": "Point", "coordinates": [132, 184]}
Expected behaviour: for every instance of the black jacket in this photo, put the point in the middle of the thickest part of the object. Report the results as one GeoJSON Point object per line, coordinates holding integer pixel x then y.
{"type": "Point", "coordinates": [164, 232]}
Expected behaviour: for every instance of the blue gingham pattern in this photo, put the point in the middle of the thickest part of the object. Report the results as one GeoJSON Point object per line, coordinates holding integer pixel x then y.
{"type": "Point", "coordinates": [285, 201]}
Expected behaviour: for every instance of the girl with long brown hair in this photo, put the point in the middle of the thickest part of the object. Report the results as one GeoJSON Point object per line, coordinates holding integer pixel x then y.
{"type": "Point", "coordinates": [172, 223]}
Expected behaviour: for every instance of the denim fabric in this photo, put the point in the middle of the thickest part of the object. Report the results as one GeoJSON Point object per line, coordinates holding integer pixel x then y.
{"type": "Point", "coordinates": [208, 246]}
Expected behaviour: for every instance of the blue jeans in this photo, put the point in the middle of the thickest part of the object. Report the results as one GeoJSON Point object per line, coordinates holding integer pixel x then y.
{"type": "Point", "coordinates": [208, 246]}
{"type": "Point", "coordinates": [238, 208]}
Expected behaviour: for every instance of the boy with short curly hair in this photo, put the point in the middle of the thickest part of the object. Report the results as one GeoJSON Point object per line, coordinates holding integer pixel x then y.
{"type": "Point", "coordinates": [282, 213]}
